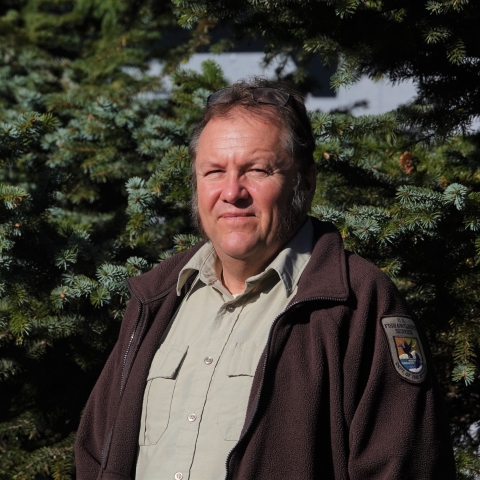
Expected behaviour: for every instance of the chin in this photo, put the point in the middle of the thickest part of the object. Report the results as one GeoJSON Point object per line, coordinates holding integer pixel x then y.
{"type": "Point", "coordinates": [238, 246]}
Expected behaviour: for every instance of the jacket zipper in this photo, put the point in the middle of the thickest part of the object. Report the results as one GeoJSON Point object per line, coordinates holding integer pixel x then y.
{"type": "Point", "coordinates": [269, 339]}
{"type": "Point", "coordinates": [132, 336]}
{"type": "Point", "coordinates": [106, 443]}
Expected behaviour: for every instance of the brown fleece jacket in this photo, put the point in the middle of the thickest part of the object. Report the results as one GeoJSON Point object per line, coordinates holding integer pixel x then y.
{"type": "Point", "coordinates": [326, 401]}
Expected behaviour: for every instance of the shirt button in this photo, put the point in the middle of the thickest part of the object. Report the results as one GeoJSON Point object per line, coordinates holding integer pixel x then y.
{"type": "Point", "coordinates": [208, 360]}
{"type": "Point", "coordinates": [230, 308]}
{"type": "Point", "coordinates": [179, 476]}
{"type": "Point", "coordinates": [192, 417]}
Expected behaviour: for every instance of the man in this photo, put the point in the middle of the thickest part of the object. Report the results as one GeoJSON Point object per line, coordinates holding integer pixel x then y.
{"type": "Point", "coordinates": [268, 351]}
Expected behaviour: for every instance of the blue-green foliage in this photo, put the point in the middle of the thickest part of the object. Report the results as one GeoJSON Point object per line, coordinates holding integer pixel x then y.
{"type": "Point", "coordinates": [95, 187]}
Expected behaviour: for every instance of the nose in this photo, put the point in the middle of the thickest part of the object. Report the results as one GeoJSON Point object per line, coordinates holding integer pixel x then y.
{"type": "Point", "coordinates": [234, 188]}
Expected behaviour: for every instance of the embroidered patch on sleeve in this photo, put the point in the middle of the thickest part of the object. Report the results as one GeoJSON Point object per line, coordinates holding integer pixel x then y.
{"type": "Point", "coordinates": [405, 348]}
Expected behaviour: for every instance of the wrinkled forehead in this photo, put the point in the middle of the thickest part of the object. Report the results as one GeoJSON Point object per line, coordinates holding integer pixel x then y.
{"type": "Point", "coordinates": [263, 114]}
{"type": "Point", "coordinates": [243, 130]}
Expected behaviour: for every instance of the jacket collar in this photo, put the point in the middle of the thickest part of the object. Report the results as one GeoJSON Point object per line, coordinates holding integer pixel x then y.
{"type": "Point", "coordinates": [325, 275]}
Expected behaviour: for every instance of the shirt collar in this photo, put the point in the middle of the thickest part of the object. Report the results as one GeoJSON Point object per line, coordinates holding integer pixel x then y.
{"type": "Point", "coordinates": [289, 263]}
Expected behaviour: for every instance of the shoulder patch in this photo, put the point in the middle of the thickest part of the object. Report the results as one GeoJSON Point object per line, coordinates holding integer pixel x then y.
{"type": "Point", "coordinates": [405, 348]}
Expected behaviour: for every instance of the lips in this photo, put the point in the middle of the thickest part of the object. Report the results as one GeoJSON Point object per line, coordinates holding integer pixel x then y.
{"type": "Point", "coordinates": [236, 220]}
{"type": "Point", "coordinates": [236, 215]}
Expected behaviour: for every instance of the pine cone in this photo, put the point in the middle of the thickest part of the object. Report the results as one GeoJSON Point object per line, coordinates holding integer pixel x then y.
{"type": "Point", "coordinates": [407, 162]}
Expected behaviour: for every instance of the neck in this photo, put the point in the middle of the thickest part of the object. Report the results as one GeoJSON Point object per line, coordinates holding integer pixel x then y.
{"type": "Point", "coordinates": [234, 273]}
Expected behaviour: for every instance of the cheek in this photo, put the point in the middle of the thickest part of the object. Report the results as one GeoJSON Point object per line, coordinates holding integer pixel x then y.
{"type": "Point", "coordinates": [205, 198]}
{"type": "Point", "coordinates": [270, 198]}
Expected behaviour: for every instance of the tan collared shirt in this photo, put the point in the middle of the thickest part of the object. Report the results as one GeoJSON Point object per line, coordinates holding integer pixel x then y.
{"type": "Point", "coordinates": [199, 382]}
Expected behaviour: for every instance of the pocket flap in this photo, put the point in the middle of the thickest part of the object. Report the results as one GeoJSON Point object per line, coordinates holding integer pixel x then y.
{"type": "Point", "coordinates": [167, 365]}
{"type": "Point", "coordinates": [244, 360]}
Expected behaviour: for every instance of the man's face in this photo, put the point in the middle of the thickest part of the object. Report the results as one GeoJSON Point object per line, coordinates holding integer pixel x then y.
{"type": "Point", "coordinates": [245, 181]}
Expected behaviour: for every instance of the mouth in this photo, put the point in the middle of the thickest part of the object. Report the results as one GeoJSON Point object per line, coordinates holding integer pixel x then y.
{"type": "Point", "coordinates": [233, 215]}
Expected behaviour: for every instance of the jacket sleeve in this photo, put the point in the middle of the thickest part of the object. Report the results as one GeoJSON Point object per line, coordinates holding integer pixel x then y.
{"type": "Point", "coordinates": [398, 427]}
{"type": "Point", "coordinates": [99, 413]}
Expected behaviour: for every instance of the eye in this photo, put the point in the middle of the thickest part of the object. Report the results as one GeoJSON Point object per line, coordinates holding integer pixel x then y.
{"type": "Point", "coordinates": [256, 173]}
{"type": "Point", "coordinates": [214, 173]}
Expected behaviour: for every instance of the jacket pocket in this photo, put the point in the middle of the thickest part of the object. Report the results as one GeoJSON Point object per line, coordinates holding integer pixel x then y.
{"type": "Point", "coordinates": [236, 390]}
{"type": "Point", "coordinates": [157, 399]}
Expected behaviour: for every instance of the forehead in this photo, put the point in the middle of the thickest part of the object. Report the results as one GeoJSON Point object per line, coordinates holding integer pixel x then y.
{"type": "Point", "coordinates": [241, 131]}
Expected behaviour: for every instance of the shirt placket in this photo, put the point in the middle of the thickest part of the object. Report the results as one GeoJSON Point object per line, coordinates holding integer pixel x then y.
{"type": "Point", "coordinates": [208, 359]}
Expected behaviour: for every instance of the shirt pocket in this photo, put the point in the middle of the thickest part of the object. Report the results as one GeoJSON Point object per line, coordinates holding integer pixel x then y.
{"type": "Point", "coordinates": [236, 389]}
{"type": "Point", "coordinates": [157, 400]}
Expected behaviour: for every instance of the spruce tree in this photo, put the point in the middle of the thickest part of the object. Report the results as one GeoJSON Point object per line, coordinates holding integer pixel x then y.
{"type": "Point", "coordinates": [433, 42]}
{"type": "Point", "coordinates": [94, 183]}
